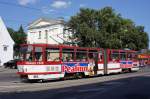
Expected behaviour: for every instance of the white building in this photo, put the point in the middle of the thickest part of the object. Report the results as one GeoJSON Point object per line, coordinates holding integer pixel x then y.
{"type": "Point", "coordinates": [48, 31]}
{"type": "Point", "coordinates": [6, 44]}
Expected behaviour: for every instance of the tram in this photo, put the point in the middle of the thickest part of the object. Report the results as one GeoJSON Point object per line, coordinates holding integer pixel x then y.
{"type": "Point", "coordinates": [144, 59]}
{"type": "Point", "coordinates": [47, 62]}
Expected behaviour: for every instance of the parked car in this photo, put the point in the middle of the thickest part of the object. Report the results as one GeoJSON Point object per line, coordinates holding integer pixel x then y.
{"type": "Point", "coordinates": [11, 64]}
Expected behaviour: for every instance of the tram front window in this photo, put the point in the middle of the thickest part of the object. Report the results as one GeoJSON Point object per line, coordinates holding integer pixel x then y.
{"type": "Point", "coordinates": [26, 53]}
{"type": "Point", "coordinates": [22, 54]}
{"type": "Point", "coordinates": [38, 54]}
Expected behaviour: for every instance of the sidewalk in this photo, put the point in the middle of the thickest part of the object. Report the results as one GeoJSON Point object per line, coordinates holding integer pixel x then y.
{"type": "Point", "coordinates": [2, 69]}
{"type": "Point", "coordinates": [7, 70]}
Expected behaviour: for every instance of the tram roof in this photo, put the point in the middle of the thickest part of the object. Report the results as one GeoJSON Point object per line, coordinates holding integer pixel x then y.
{"type": "Point", "coordinates": [61, 45]}
{"type": "Point", "coordinates": [72, 47]}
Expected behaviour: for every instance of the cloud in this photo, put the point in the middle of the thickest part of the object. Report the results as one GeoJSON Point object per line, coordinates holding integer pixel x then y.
{"type": "Point", "coordinates": [47, 10]}
{"type": "Point", "coordinates": [60, 4]}
{"type": "Point", "coordinates": [25, 2]}
{"type": "Point", "coordinates": [82, 5]}
{"type": "Point", "coordinates": [67, 17]}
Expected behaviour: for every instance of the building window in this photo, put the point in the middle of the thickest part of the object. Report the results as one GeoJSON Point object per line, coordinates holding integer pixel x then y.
{"type": "Point", "coordinates": [39, 35]}
{"type": "Point", "coordinates": [56, 30]}
{"type": "Point", "coordinates": [46, 34]}
{"type": "Point", "coordinates": [32, 32]}
{"type": "Point", "coordinates": [5, 48]}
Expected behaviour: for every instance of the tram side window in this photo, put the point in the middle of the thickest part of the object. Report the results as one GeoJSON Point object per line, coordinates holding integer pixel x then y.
{"type": "Point", "coordinates": [134, 56]}
{"type": "Point", "coordinates": [38, 54]}
{"type": "Point", "coordinates": [22, 56]}
{"type": "Point", "coordinates": [52, 54]}
{"type": "Point", "coordinates": [93, 54]}
{"type": "Point", "coordinates": [100, 56]}
{"type": "Point", "coordinates": [129, 56]}
{"type": "Point", "coordinates": [122, 55]}
{"type": "Point", "coordinates": [81, 55]}
{"type": "Point", "coordinates": [29, 56]}
{"type": "Point", "coordinates": [67, 54]}
{"type": "Point", "coordinates": [115, 56]}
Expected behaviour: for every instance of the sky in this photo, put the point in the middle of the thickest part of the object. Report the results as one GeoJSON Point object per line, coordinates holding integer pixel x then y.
{"type": "Point", "coordinates": [17, 12]}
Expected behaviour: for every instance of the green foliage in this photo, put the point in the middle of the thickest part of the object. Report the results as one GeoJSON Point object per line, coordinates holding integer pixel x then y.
{"type": "Point", "coordinates": [107, 29]}
{"type": "Point", "coordinates": [19, 36]}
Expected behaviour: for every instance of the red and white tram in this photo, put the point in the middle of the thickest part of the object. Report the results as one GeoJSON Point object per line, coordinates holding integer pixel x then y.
{"type": "Point", "coordinates": [43, 61]}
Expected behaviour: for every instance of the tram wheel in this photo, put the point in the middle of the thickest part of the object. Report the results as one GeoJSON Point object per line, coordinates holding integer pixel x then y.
{"type": "Point", "coordinates": [79, 75]}
{"type": "Point", "coordinates": [129, 70]}
{"type": "Point", "coordinates": [34, 80]}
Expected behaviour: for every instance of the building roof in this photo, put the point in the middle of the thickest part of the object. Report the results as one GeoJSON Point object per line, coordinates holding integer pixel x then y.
{"type": "Point", "coordinates": [5, 37]}
{"type": "Point", "coordinates": [50, 21]}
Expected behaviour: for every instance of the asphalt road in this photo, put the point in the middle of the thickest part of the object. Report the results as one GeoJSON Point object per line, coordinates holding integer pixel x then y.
{"type": "Point", "coordinates": [124, 86]}
{"type": "Point", "coordinates": [8, 75]}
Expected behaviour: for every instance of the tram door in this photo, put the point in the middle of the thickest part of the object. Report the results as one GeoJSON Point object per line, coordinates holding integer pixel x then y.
{"type": "Point", "coordinates": [93, 61]}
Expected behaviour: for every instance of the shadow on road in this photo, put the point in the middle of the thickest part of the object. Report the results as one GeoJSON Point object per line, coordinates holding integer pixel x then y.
{"type": "Point", "coordinates": [129, 88]}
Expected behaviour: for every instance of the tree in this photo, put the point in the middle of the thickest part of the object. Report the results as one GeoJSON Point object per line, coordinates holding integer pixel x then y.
{"type": "Point", "coordinates": [18, 37]}
{"type": "Point", "coordinates": [107, 29]}
{"type": "Point", "coordinates": [84, 25]}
